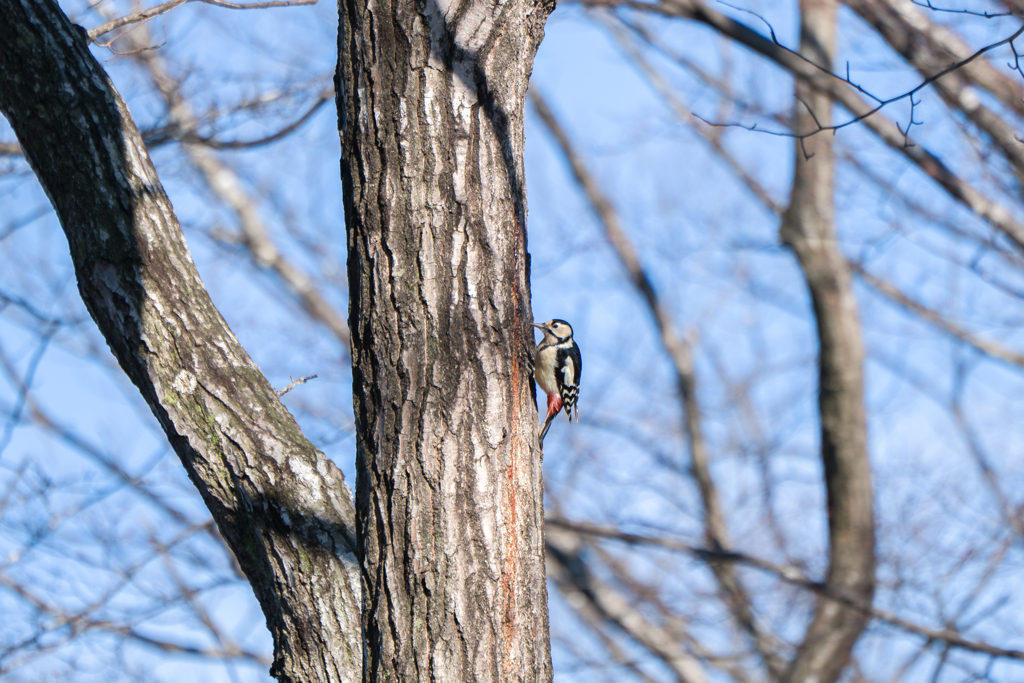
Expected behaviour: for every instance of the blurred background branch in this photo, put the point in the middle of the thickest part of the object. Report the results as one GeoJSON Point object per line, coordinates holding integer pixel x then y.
{"type": "Point", "coordinates": [688, 512]}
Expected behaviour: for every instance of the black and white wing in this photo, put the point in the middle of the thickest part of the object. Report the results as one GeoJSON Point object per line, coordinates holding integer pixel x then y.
{"type": "Point", "coordinates": [569, 367]}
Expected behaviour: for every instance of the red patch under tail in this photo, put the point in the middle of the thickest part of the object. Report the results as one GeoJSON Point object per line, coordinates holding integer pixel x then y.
{"type": "Point", "coordinates": [554, 404]}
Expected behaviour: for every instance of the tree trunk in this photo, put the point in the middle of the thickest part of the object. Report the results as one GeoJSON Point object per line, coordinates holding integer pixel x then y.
{"type": "Point", "coordinates": [808, 227]}
{"type": "Point", "coordinates": [282, 506]}
{"type": "Point", "coordinates": [449, 494]}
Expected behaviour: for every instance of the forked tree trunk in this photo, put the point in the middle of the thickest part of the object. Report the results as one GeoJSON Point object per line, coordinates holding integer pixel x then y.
{"type": "Point", "coordinates": [808, 227]}
{"type": "Point", "coordinates": [282, 506]}
{"type": "Point", "coordinates": [449, 493]}
{"type": "Point", "coordinates": [450, 498]}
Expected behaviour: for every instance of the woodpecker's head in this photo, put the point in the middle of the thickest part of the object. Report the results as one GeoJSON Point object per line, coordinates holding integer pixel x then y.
{"type": "Point", "coordinates": [555, 331]}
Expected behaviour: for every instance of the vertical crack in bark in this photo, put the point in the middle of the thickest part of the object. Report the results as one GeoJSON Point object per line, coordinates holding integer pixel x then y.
{"type": "Point", "coordinates": [283, 508]}
{"type": "Point", "coordinates": [432, 99]}
{"type": "Point", "coordinates": [808, 227]}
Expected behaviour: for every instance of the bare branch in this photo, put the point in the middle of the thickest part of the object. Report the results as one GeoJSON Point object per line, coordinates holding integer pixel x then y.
{"type": "Point", "coordinates": [75, 623]}
{"type": "Point", "coordinates": [995, 214]}
{"type": "Point", "coordinates": [989, 348]}
{"type": "Point", "coordinates": [793, 576]}
{"type": "Point", "coordinates": [574, 578]}
{"type": "Point", "coordinates": [324, 97]}
{"type": "Point", "coordinates": [225, 184]}
{"type": "Point", "coordinates": [948, 47]}
{"type": "Point", "coordinates": [808, 228]}
{"type": "Point", "coordinates": [259, 5]}
{"type": "Point", "coordinates": [987, 15]}
{"type": "Point", "coordinates": [295, 383]}
{"type": "Point", "coordinates": [147, 14]}
{"type": "Point", "coordinates": [926, 49]}
{"type": "Point", "coordinates": [134, 18]}
{"type": "Point", "coordinates": [880, 103]}
{"type": "Point", "coordinates": [682, 358]}
{"type": "Point", "coordinates": [682, 112]}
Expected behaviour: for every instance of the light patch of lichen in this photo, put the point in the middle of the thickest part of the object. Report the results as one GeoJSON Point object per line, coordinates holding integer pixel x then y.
{"type": "Point", "coordinates": [305, 563]}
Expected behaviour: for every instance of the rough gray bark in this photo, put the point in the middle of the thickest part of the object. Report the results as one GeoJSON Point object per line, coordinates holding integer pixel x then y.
{"type": "Point", "coordinates": [449, 493]}
{"type": "Point", "coordinates": [808, 227]}
{"type": "Point", "coordinates": [282, 506]}
{"type": "Point", "coordinates": [224, 183]}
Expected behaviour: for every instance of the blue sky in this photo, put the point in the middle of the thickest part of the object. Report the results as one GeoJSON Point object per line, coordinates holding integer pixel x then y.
{"type": "Point", "coordinates": [713, 255]}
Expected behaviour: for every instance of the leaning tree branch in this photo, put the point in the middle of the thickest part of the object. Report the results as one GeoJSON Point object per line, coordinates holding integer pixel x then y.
{"type": "Point", "coordinates": [997, 215]}
{"type": "Point", "coordinates": [575, 580]}
{"type": "Point", "coordinates": [281, 505]}
{"type": "Point", "coordinates": [163, 8]}
{"type": "Point", "coordinates": [911, 35]}
{"type": "Point", "coordinates": [890, 291]}
{"type": "Point", "coordinates": [225, 184]}
{"type": "Point", "coordinates": [679, 351]}
{"type": "Point", "coordinates": [792, 576]}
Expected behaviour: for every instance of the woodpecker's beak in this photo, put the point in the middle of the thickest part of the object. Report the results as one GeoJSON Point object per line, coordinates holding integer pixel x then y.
{"type": "Point", "coordinates": [540, 327]}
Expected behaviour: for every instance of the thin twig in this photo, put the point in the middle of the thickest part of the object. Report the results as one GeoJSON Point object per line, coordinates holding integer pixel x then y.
{"type": "Point", "coordinates": [325, 96]}
{"type": "Point", "coordinates": [735, 595]}
{"type": "Point", "coordinates": [790, 575]}
{"type": "Point", "coordinates": [974, 13]}
{"type": "Point", "coordinates": [997, 215]}
{"type": "Point", "coordinates": [134, 18]}
{"type": "Point", "coordinates": [147, 14]}
{"type": "Point", "coordinates": [881, 103]}
{"type": "Point", "coordinates": [295, 383]}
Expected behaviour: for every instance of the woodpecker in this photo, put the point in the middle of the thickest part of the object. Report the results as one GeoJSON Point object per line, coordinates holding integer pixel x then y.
{"type": "Point", "coordinates": [557, 366]}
